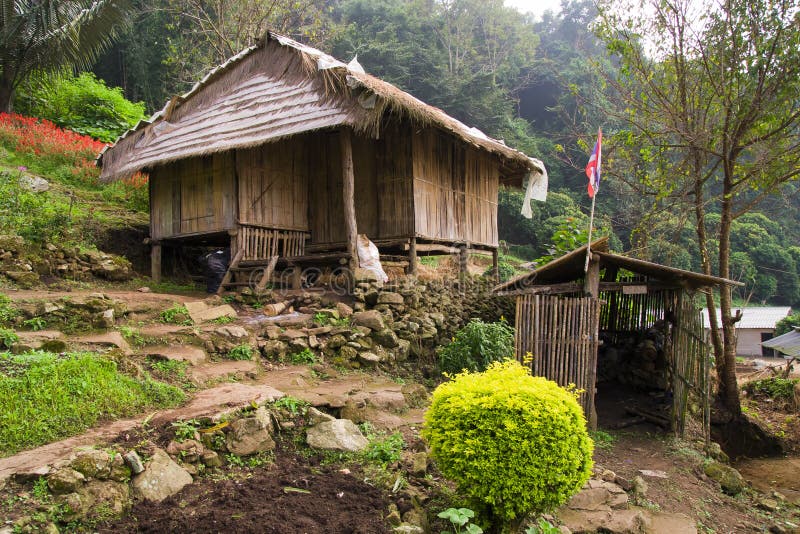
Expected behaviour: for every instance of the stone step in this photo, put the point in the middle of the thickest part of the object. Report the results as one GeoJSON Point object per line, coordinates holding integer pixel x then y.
{"type": "Point", "coordinates": [186, 353]}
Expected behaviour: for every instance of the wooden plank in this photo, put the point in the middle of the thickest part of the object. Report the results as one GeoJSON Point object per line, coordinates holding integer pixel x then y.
{"type": "Point", "coordinates": [412, 256]}
{"type": "Point", "coordinates": [228, 274]}
{"type": "Point", "coordinates": [267, 276]}
{"type": "Point", "coordinates": [155, 262]}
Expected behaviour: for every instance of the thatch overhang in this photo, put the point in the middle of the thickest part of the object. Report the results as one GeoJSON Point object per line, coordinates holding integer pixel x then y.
{"type": "Point", "coordinates": [570, 268]}
{"type": "Point", "coordinates": [277, 89]}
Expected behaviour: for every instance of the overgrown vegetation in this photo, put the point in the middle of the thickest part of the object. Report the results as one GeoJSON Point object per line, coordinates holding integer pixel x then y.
{"type": "Point", "coordinates": [476, 346]}
{"type": "Point", "coordinates": [82, 104]}
{"type": "Point", "coordinates": [45, 396]}
{"type": "Point", "coordinates": [240, 352]}
{"type": "Point", "coordinates": [774, 388]}
{"type": "Point", "coordinates": [514, 443]}
{"type": "Point", "coordinates": [175, 314]}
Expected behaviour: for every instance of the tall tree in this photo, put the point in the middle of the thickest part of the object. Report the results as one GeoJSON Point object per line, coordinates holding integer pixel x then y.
{"type": "Point", "coordinates": [710, 100]}
{"type": "Point", "coordinates": [43, 36]}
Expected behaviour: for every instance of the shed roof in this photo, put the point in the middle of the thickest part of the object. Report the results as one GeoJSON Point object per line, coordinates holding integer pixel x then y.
{"type": "Point", "coordinates": [788, 343]}
{"type": "Point", "coordinates": [273, 90]}
{"type": "Point", "coordinates": [570, 267]}
{"type": "Point", "coordinates": [760, 318]}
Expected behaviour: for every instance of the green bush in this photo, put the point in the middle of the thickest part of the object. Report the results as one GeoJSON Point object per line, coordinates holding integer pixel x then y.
{"type": "Point", "coordinates": [774, 388]}
{"type": "Point", "coordinates": [514, 443]}
{"type": "Point", "coordinates": [81, 103]}
{"type": "Point", "coordinates": [477, 345]}
{"type": "Point", "coordinates": [786, 324]}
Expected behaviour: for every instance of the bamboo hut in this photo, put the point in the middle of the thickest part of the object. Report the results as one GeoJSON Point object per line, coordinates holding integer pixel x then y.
{"type": "Point", "coordinates": [286, 155]}
{"type": "Point", "coordinates": [625, 329]}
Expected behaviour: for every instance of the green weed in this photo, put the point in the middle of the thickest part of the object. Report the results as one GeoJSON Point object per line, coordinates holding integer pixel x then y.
{"type": "Point", "coordinates": [385, 450]}
{"type": "Point", "coordinates": [170, 368]}
{"type": "Point", "coordinates": [185, 429]}
{"type": "Point", "coordinates": [132, 336]}
{"type": "Point", "coordinates": [304, 357]}
{"type": "Point", "coordinates": [45, 396]}
{"type": "Point", "coordinates": [460, 519]}
{"type": "Point", "coordinates": [293, 405]}
{"type": "Point", "coordinates": [177, 314]}
{"type": "Point", "coordinates": [242, 352]}
{"type": "Point", "coordinates": [7, 338]}
{"type": "Point", "coordinates": [35, 323]}
{"type": "Point", "coordinates": [225, 319]}
{"type": "Point", "coordinates": [602, 439]}
{"type": "Point", "coordinates": [7, 311]}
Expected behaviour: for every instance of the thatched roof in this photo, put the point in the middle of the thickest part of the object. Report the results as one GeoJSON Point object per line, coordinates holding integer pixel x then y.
{"type": "Point", "coordinates": [274, 90]}
{"type": "Point", "coordinates": [569, 268]}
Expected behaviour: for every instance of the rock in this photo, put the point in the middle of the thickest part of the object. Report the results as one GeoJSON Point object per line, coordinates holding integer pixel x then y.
{"type": "Point", "coordinates": [729, 478]}
{"type": "Point", "coordinates": [347, 353]}
{"type": "Point", "coordinates": [34, 184]}
{"type": "Point", "coordinates": [369, 358]}
{"type": "Point", "coordinates": [618, 522]}
{"type": "Point", "coordinates": [211, 459]}
{"type": "Point", "coordinates": [291, 334]}
{"type": "Point", "coordinates": [26, 476]}
{"type": "Point", "coordinates": [200, 312]}
{"type": "Point", "coordinates": [11, 243]}
{"type": "Point", "coordinates": [92, 463]}
{"type": "Point", "coordinates": [274, 348]}
{"type": "Point", "coordinates": [419, 464]}
{"type": "Point", "coordinates": [715, 451]}
{"type": "Point", "coordinates": [120, 472]}
{"type": "Point", "coordinates": [316, 416]}
{"type": "Point", "coordinates": [73, 505]}
{"type": "Point", "coordinates": [372, 319]}
{"type": "Point", "coordinates": [134, 462]}
{"type": "Point", "coordinates": [232, 331]}
{"type": "Point", "coordinates": [249, 435]}
{"type": "Point", "coordinates": [770, 505]}
{"type": "Point", "coordinates": [112, 497]}
{"type": "Point", "coordinates": [343, 309]}
{"type": "Point", "coordinates": [405, 528]}
{"type": "Point", "coordinates": [386, 337]}
{"type": "Point", "coordinates": [639, 487]}
{"type": "Point", "coordinates": [672, 523]}
{"type": "Point", "coordinates": [600, 495]}
{"type": "Point", "coordinates": [403, 350]}
{"type": "Point", "coordinates": [336, 341]}
{"type": "Point", "coordinates": [144, 289]}
{"type": "Point", "coordinates": [608, 475]}
{"type": "Point", "coordinates": [65, 480]}
{"type": "Point", "coordinates": [653, 474]}
{"type": "Point", "coordinates": [116, 269]}
{"type": "Point", "coordinates": [388, 297]}
{"type": "Point", "coordinates": [161, 478]}
{"type": "Point", "coordinates": [393, 517]}
{"type": "Point", "coordinates": [340, 434]}
{"type": "Point", "coordinates": [188, 450]}
{"type": "Point", "coordinates": [416, 395]}
{"type": "Point", "coordinates": [25, 279]}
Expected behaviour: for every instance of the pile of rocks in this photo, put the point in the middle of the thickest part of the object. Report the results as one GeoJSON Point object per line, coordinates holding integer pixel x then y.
{"type": "Point", "coordinates": [25, 268]}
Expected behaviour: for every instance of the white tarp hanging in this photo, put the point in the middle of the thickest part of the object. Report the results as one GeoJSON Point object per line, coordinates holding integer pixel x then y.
{"type": "Point", "coordinates": [535, 188]}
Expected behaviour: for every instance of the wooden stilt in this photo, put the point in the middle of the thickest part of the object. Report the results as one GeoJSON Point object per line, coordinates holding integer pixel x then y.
{"type": "Point", "coordinates": [496, 265]}
{"type": "Point", "coordinates": [155, 262]}
{"type": "Point", "coordinates": [462, 260]}
{"type": "Point", "coordinates": [592, 280]}
{"type": "Point", "coordinates": [348, 197]}
{"type": "Point", "coordinates": [412, 257]}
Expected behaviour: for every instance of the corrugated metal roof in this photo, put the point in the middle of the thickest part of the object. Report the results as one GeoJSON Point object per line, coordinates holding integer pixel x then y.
{"type": "Point", "coordinates": [271, 91]}
{"type": "Point", "coordinates": [755, 317]}
{"type": "Point", "coordinates": [788, 343]}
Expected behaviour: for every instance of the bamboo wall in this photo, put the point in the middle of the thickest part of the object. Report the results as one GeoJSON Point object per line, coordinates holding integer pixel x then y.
{"type": "Point", "coordinates": [455, 190]}
{"type": "Point", "coordinates": [192, 196]}
{"type": "Point", "coordinates": [273, 184]}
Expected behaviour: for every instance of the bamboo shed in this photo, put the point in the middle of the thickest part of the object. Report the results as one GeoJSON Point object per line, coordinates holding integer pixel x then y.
{"type": "Point", "coordinates": [627, 332]}
{"type": "Point", "coordinates": [285, 154]}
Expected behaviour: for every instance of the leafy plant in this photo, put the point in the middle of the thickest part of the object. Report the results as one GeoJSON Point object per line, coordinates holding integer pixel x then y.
{"type": "Point", "coordinates": [7, 311]}
{"type": "Point", "coordinates": [35, 323]}
{"type": "Point", "coordinates": [241, 352]}
{"type": "Point", "coordinates": [185, 429]}
{"type": "Point", "coordinates": [225, 319]}
{"type": "Point", "coordinates": [460, 519]}
{"type": "Point", "coordinates": [8, 337]}
{"type": "Point", "coordinates": [543, 526]}
{"type": "Point", "coordinates": [175, 368]}
{"type": "Point", "coordinates": [177, 314]}
{"type": "Point", "coordinates": [385, 450]}
{"type": "Point", "coordinates": [516, 444]}
{"type": "Point", "coordinates": [83, 104]}
{"type": "Point", "coordinates": [304, 357]}
{"type": "Point", "coordinates": [774, 388]}
{"type": "Point", "coordinates": [477, 345]}
{"type": "Point", "coordinates": [40, 490]}
{"type": "Point", "coordinates": [602, 439]}
{"type": "Point", "coordinates": [293, 405]}
{"type": "Point", "coordinates": [132, 335]}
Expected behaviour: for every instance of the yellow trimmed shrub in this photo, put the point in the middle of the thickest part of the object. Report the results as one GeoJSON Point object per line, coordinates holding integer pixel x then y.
{"type": "Point", "coordinates": [515, 443]}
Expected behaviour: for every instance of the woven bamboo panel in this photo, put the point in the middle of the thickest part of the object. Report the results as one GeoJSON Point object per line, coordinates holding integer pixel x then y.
{"type": "Point", "coordinates": [263, 243]}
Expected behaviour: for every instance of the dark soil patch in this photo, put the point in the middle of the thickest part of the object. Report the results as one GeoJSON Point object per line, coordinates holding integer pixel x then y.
{"type": "Point", "coordinates": [272, 500]}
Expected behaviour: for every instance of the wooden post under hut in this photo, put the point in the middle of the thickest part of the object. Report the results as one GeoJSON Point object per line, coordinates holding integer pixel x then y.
{"type": "Point", "coordinates": [155, 261]}
{"type": "Point", "coordinates": [348, 196]}
{"type": "Point", "coordinates": [412, 257]}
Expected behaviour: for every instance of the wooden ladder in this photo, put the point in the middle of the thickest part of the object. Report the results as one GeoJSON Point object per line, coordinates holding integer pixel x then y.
{"type": "Point", "coordinates": [249, 271]}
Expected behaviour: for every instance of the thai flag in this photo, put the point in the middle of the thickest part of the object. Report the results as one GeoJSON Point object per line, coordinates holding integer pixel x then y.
{"type": "Point", "coordinates": [593, 167]}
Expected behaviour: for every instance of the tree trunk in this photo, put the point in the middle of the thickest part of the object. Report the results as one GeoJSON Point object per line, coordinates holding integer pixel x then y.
{"type": "Point", "coordinates": [726, 366]}
{"type": "Point", "coordinates": [6, 95]}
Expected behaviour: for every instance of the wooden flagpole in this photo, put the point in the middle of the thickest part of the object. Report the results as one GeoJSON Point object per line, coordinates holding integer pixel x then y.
{"type": "Point", "coordinates": [589, 241]}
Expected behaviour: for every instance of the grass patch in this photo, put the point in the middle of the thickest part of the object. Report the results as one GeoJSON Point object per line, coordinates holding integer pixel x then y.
{"type": "Point", "coordinates": [45, 397]}
{"type": "Point", "coordinates": [242, 352]}
{"type": "Point", "coordinates": [602, 439]}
